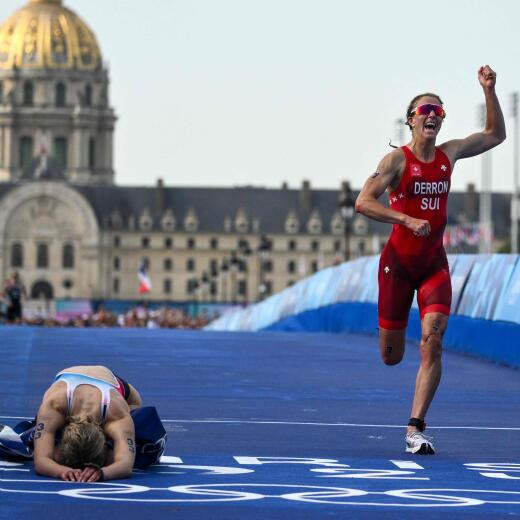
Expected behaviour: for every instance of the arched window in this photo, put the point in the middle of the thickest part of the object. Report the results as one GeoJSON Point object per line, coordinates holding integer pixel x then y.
{"type": "Point", "coordinates": [60, 95]}
{"type": "Point", "coordinates": [28, 94]}
{"type": "Point", "coordinates": [190, 264]}
{"type": "Point", "coordinates": [17, 255]}
{"type": "Point", "coordinates": [167, 286]}
{"type": "Point", "coordinates": [68, 256]}
{"type": "Point", "coordinates": [291, 266]}
{"type": "Point", "coordinates": [42, 290]}
{"type": "Point", "coordinates": [26, 151]}
{"type": "Point", "coordinates": [42, 256]}
{"type": "Point", "coordinates": [88, 95]}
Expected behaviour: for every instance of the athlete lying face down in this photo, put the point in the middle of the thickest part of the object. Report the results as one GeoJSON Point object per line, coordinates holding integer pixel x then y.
{"type": "Point", "coordinates": [83, 409]}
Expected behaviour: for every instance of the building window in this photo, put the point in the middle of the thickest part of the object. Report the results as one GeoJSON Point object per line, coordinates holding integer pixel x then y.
{"type": "Point", "coordinates": [268, 266]}
{"type": "Point", "coordinates": [168, 243]}
{"type": "Point", "coordinates": [146, 263]}
{"type": "Point", "coordinates": [60, 95]}
{"type": "Point", "coordinates": [60, 151]}
{"type": "Point", "coordinates": [213, 288]}
{"type": "Point", "coordinates": [167, 286]}
{"type": "Point", "coordinates": [213, 265]}
{"type": "Point", "coordinates": [1, 93]}
{"type": "Point", "coordinates": [190, 243]}
{"type": "Point", "coordinates": [168, 264]}
{"type": "Point", "coordinates": [361, 248]}
{"type": "Point", "coordinates": [115, 285]}
{"type": "Point", "coordinates": [28, 94]}
{"type": "Point", "coordinates": [17, 255]}
{"type": "Point", "coordinates": [42, 256]}
{"type": "Point", "coordinates": [314, 266]}
{"type": "Point", "coordinates": [291, 266]}
{"type": "Point", "coordinates": [190, 264]}
{"type": "Point", "coordinates": [145, 242]}
{"type": "Point", "coordinates": [92, 153]}
{"type": "Point", "coordinates": [88, 95]}
{"type": "Point", "coordinates": [291, 245]}
{"type": "Point", "coordinates": [117, 263]}
{"type": "Point", "coordinates": [26, 151]}
{"type": "Point", "coordinates": [68, 256]}
{"type": "Point", "coordinates": [117, 241]}
{"type": "Point", "coordinates": [213, 243]}
{"type": "Point", "coordinates": [268, 286]}
{"type": "Point", "coordinates": [290, 282]}
{"type": "Point", "coordinates": [337, 246]}
{"type": "Point", "coordinates": [242, 287]}
{"type": "Point", "coordinates": [315, 245]}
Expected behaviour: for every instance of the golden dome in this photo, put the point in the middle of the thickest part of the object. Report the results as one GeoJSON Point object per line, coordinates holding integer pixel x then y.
{"type": "Point", "coordinates": [44, 34]}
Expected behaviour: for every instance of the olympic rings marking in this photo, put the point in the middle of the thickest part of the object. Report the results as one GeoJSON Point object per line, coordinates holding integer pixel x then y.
{"type": "Point", "coordinates": [431, 497]}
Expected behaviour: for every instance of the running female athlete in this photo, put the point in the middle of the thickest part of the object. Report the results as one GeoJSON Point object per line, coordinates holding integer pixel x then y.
{"type": "Point", "coordinates": [417, 177]}
{"type": "Point", "coordinates": [86, 406]}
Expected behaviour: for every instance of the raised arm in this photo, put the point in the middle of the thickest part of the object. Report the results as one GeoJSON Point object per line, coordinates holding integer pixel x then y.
{"type": "Point", "coordinates": [494, 131]}
{"type": "Point", "coordinates": [48, 422]}
{"type": "Point", "coordinates": [387, 176]}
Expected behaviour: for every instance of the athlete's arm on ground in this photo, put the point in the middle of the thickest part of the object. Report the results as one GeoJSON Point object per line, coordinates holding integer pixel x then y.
{"type": "Point", "coordinates": [387, 176]}
{"type": "Point", "coordinates": [122, 433]}
{"type": "Point", "coordinates": [48, 421]}
{"type": "Point", "coordinates": [494, 131]}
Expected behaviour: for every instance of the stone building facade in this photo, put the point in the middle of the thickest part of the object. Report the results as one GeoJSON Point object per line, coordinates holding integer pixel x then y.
{"type": "Point", "coordinates": [72, 233]}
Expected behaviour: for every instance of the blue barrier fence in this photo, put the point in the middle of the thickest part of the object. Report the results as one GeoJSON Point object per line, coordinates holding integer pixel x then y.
{"type": "Point", "coordinates": [485, 310]}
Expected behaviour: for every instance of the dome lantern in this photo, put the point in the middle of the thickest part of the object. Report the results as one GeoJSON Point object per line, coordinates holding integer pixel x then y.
{"type": "Point", "coordinates": [55, 2]}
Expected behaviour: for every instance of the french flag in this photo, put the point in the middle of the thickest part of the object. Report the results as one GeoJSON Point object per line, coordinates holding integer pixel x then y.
{"type": "Point", "coordinates": [145, 284]}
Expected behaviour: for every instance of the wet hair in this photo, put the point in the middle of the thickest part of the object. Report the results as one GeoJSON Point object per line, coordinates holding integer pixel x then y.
{"type": "Point", "coordinates": [83, 443]}
{"type": "Point", "coordinates": [413, 105]}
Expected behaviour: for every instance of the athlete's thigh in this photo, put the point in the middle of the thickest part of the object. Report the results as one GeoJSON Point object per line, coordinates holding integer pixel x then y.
{"type": "Point", "coordinates": [434, 293]}
{"type": "Point", "coordinates": [396, 290]}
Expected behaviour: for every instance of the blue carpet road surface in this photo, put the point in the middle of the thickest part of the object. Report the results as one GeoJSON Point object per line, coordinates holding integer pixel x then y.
{"type": "Point", "coordinates": [275, 425]}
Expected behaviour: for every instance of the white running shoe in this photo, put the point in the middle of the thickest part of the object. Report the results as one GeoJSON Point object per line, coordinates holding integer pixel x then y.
{"type": "Point", "coordinates": [417, 442]}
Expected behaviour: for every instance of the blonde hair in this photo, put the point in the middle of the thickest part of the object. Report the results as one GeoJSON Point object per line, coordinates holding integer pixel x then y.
{"type": "Point", "coordinates": [83, 443]}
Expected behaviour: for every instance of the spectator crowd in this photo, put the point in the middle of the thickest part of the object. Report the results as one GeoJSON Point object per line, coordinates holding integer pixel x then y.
{"type": "Point", "coordinates": [141, 316]}
{"type": "Point", "coordinates": [137, 317]}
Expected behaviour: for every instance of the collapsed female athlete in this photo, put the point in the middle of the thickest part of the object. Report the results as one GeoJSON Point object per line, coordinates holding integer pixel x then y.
{"type": "Point", "coordinates": [86, 406]}
{"type": "Point", "coordinates": [418, 178]}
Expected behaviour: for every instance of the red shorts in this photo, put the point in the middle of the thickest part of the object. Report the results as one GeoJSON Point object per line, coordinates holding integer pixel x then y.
{"type": "Point", "coordinates": [400, 277]}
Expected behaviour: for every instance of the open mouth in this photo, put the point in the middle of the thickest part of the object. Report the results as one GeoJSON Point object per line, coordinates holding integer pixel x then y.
{"type": "Point", "coordinates": [430, 125]}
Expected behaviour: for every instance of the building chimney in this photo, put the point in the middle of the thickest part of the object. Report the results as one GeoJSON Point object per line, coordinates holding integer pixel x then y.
{"type": "Point", "coordinates": [305, 196]}
{"type": "Point", "coordinates": [159, 197]}
{"type": "Point", "coordinates": [471, 203]}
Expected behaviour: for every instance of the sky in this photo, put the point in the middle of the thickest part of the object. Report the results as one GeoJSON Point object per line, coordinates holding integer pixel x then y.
{"type": "Point", "coordinates": [261, 92]}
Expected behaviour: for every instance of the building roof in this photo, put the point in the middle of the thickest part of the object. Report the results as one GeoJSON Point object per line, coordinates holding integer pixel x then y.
{"type": "Point", "coordinates": [266, 209]}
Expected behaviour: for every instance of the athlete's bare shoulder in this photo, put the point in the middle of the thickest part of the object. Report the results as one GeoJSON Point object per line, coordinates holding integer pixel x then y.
{"type": "Point", "coordinates": [450, 148]}
{"type": "Point", "coordinates": [391, 168]}
{"type": "Point", "coordinates": [56, 397]}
